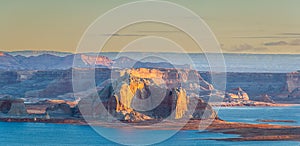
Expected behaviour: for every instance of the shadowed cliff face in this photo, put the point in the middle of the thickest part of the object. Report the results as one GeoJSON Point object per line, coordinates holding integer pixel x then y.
{"type": "Point", "coordinates": [141, 94]}
{"type": "Point", "coordinates": [279, 86]}
{"type": "Point", "coordinates": [12, 106]}
{"type": "Point", "coordinates": [293, 85]}
{"type": "Point", "coordinates": [61, 109]}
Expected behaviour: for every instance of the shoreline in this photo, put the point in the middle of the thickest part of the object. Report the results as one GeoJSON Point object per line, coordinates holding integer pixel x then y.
{"type": "Point", "coordinates": [246, 131]}
{"type": "Point", "coordinates": [43, 120]}
{"type": "Point", "coordinates": [256, 104]}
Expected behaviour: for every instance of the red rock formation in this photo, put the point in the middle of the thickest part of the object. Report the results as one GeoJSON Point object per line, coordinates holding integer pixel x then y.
{"type": "Point", "coordinates": [96, 60]}
{"type": "Point", "coordinates": [141, 94]}
{"type": "Point", "coordinates": [237, 94]}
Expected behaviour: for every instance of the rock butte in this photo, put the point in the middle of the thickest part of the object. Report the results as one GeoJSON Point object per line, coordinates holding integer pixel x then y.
{"type": "Point", "coordinates": [143, 94]}
{"type": "Point", "coordinates": [12, 106]}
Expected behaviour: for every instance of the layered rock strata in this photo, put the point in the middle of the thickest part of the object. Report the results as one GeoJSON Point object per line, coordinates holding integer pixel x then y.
{"type": "Point", "coordinates": [143, 94]}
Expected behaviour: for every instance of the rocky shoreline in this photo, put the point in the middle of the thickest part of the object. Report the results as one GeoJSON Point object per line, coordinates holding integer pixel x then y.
{"type": "Point", "coordinates": [43, 120]}
{"type": "Point", "coordinates": [246, 132]}
{"type": "Point", "coordinates": [62, 113]}
{"type": "Point", "coordinates": [257, 132]}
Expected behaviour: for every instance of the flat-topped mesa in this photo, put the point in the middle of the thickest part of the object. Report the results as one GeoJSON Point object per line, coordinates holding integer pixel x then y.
{"type": "Point", "coordinates": [143, 94]}
{"type": "Point", "coordinates": [172, 78]}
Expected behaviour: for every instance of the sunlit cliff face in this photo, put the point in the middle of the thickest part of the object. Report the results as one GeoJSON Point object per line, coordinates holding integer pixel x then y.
{"type": "Point", "coordinates": [142, 94]}
{"type": "Point", "coordinates": [144, 90]}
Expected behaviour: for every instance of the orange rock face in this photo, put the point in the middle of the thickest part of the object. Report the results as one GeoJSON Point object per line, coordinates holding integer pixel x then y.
{"type": "Point", "coordinates": [237, 93]}
{"type": "Point", "coordinates": [182, 104]}
{"type": "Point", "coordinates": [124, 98]}
{"type": "Point", "coordinates": [141, 94]}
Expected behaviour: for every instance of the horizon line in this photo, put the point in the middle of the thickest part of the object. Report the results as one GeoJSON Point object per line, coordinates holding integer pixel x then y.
{"type": "Point", "coordinates": [237, 53]}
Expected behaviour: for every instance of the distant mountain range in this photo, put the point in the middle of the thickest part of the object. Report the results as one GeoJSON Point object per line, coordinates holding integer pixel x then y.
{"type": "Point", "coordinates": [49, 60]}
{"type": "Point", "coordinates": [56, 60]}
{"type": "Point", "coordinates": [50, 75]}
{"type": "Point", "coordinates": [40, 62]}
{"type": "Point", "coordinates": [28, 53]}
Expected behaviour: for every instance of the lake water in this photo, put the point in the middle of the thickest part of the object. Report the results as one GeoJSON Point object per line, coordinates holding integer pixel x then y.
{"type": "Point", "coordinates": [65, 134]}
{"type": "Point", "coordinates": [252, 114]}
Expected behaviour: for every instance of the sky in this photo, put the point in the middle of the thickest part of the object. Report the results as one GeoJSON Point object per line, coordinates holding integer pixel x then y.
{"type": "Point", "coordinates": [241, 26]}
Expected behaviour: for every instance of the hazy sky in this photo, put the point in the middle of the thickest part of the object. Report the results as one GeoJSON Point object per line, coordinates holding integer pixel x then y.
{"type": "Point", "coordinates": [241, 26]}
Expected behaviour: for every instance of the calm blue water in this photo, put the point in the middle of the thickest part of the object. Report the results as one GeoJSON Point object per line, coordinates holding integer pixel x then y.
{"type": "Point", "coordinates": [64, 134]}
{"type": "Point", "coordinates": [252, 114]}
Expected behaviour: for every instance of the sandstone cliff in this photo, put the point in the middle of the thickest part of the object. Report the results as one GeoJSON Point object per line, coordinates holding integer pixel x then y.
{"type": "Point", "coordinates": [143, 94]}
{"type": "Point", "coordinates": [57, 84]}
{"type": "Point", "coordinates": [236, 94]}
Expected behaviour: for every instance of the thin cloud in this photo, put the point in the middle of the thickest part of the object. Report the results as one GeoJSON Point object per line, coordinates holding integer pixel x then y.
{"type": "Point", "coordinates": [120, 35]}
{"type": "Point", "coordinates": [266, 37]}
{"type": "Point", "coordinates": [247, 48]}
{"type": "Point", "coordinates": [280, 35]}
{"type": "Point", "coordinates": [279, 43]}
{"type": "Point", "coordinates": [288, 33]}
{"type": "Point", "coordinates": [158, 31]}
{"type": "Point", "coordinates": [295, 42]}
